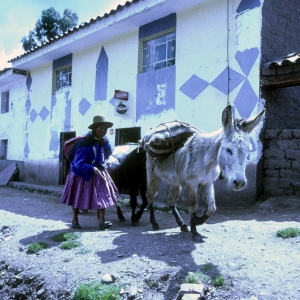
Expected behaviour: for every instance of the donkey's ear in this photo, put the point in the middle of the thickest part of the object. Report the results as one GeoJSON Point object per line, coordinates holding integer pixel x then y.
{"type": "Point", "coordinates": [251, 123]}
{"type": "Point", "coordinates": [227, 116]}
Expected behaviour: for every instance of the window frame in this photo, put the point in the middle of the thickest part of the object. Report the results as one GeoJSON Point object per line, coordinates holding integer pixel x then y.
{"type": "Point", "coordinates": [4, 102]}
{"type": "Point", "coordinates": [143, 68]}
{"type": "Point", "coordinates": [3, 148]}
{"type": "Point", "coordinates": [62, 88]}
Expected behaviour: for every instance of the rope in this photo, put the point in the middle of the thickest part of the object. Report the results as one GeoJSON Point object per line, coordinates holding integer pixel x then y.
{"type": "Point", "coordinates": [173, 149]}
{"type": "Point", "coordinates": [228, 71]}
{"type": "Point", "coordinates": [118, 198]}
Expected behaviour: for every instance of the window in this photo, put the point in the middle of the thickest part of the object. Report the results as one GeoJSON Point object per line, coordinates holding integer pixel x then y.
{"type": "Point", "coordinates": [159, 52]}
{"type": "Point", "coordinates": [3, 149]}
{"type": "Point", "coordinates": [63, 79]}
{"type": "Point", "coordinates": [4, 102]}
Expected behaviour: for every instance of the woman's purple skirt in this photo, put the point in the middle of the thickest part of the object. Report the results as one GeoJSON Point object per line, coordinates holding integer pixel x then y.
{"type": "Point", "coordinates": [98, 193]}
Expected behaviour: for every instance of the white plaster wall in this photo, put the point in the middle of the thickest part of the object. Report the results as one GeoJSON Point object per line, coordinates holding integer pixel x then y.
{"type": "Point", "coordinates": [122, 55]}
{"type": "Point", "coordinates": [247, 34]}
{"type": "Point", "coordinates": [40, 95]}
{"type": "Point", "coordinates": [201, 51]}
{"type": "Point", "coordinates": [12, 124]}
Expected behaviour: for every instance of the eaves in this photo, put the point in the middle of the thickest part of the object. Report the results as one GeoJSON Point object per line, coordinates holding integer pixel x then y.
{"type": "Point", "coordinates": [281, 72]}
{"type": "Point", "coordinates": [124, 19]}
{"type": "Point", "coordinates": [10, 75]}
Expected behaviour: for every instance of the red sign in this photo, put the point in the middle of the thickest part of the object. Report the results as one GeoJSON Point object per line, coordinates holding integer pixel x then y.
{"type": "Point", "coordinates": [121, 95]}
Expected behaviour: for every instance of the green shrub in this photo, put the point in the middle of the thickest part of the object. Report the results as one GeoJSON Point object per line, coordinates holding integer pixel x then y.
{"type": "Point", "coordinates": [191, 278]}
{"type": "Point", "coordinates": [97, 291]}
{"type": "Point", "coordinates": [207, 267]}
{"type": "Point", "coordinates": [70, 245]}
{"type": "Point", "coordinates": [66, 236]}
{"type": "Point", "coordinates": [218, 281]}
{"type": "Point", "coordinates": [161, 208]}
{"type": "Point", "coordinates": [288, 232]}
{"type": "Point", "coordinates": [36, 246]}
{"type": "Point", "coordinates": [151, 283]}
{"type": "Point", "coordinates": [197, 277]}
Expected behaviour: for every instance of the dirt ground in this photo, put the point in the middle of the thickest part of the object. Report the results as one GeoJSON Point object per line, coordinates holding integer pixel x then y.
{"type": "Point", "coordinates": [240, 242]}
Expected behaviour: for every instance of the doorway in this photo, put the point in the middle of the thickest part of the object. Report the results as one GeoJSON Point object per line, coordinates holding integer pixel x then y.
{"type": "Point", "coordinates": [64, 164]}
{"type": "Point", "coordinates": [127, 135]}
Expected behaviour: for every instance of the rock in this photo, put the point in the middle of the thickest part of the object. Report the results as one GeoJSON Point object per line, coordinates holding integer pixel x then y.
{"type": "Point", "coordinates": [107, 279]}
{"type": "Point", "coordinates": [115, 276]}
{"type": "Point", "coordinates": [132, 292]}
{"type": "Point", "coordinates": [190, 297]}
{"type": "Point", "coordinates": [6, 231]}
{"type": "Point", "coordinates": [40, 292]}
{"type": "Point", "coordinates": [189, 289]}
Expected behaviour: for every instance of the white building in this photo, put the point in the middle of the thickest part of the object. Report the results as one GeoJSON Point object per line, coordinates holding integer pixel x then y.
{"type": "Point", "coordinates": [177, 59]}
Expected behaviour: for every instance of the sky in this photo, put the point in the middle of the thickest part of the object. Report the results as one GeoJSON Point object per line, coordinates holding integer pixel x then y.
{"type": "Point", "coordinates": [18, 17]}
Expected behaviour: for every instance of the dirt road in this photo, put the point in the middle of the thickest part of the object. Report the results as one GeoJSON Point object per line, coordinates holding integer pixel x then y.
{"type": "Point", "coordinates": [240, 242]}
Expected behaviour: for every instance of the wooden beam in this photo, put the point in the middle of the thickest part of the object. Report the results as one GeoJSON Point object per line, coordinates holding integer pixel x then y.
{"type": "Point", "coordinates": [292, 79]}
{"type": "Point", "coordinates": [18, 71]}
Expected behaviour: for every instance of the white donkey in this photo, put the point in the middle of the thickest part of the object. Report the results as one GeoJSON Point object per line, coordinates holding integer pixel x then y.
{"type": "Point", "coordinates": [203, 158]}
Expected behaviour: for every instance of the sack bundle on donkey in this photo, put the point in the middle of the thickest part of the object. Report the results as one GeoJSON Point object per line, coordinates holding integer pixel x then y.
{"type": "Point", "coordinates": [167, 138]}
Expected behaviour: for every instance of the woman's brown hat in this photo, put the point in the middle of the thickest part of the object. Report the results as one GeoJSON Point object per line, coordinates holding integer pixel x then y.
{"type": "Point", "coordinates": [100, 120]}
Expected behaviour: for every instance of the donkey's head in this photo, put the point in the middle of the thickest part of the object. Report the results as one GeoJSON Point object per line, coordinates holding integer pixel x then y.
{"type": "Point", "coordinates": [234, 149]}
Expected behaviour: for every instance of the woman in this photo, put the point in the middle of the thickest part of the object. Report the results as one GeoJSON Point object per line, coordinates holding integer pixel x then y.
{"type": "Point", "coordinates": [88, 184]}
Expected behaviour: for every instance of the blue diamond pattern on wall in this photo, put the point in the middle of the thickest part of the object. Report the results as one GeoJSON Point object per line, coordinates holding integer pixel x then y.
{"type": "Point", "coordinates": [33, 115]}
{"type": "Point", "coordinates": [246, 100]}
{"type": "Point", "coordinates": [44, 113]}
{"type": "Point", "coordinates": [193, 87]}
{"type": "Point", "coordinates": [28, 81]}
{"type": "Point", "coordinates": [112, 101]}
{"type": "Point", "coordinates": [221, 82]}
{"type": "Point", "coordinates": [248, 5]}
{"type": "Point", "coordinates": [26, 147]}
{"type": "Point", "coordinates": [246, 59]}
{"type": "Point", "coordinates": [27, 105]}
{"type": "Point", "coordinates": [84, 106]}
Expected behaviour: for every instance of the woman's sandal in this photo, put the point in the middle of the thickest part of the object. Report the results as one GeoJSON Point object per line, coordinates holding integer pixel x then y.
{"type": "Point", "coordinates": [75, 225]}
{"type": "Point", "coordinates": [105, 225]}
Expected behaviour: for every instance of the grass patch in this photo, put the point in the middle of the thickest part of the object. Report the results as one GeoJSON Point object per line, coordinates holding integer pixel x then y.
{"type": "Point", "coordinates": [161, 208]}
{"type": "Point", "coordinates": [97, 291]}
{"type": "Point", "coordinates": [151, 283]}
{"type": "Point", "coordinates": [212, 274]}
{"type": "Point", "coordinates": [66, 236]}
{"type": "Point", "coordinates": [70, 245]}
{"type": "Point", "coordinates": [197, 277]}
{"type": "Point", "coordinates": [208, 267]}
{"type": "Point", "coordinates": [289, 232]}
{"type": "Point", "coordinates": [218, 281]}
{"type": "Point", "coordinates": [36, 246]}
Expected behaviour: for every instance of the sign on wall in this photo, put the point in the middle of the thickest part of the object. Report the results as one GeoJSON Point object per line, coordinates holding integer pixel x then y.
{"type": "Point", "coordinates": [121, 108]}
{"type": "Point", "coordinates": [121, 95]}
